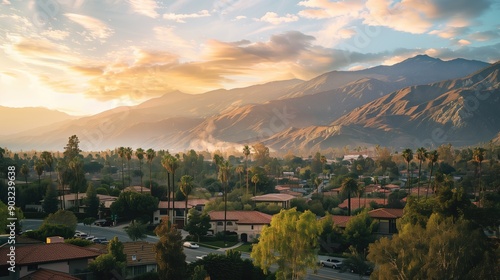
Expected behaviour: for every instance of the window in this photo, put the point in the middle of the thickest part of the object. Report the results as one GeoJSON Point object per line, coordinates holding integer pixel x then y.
{"type": "Point", "coordinates": [229, 223]}
{"type": "Point", "coordinates": [32, 267]}
{"type": "Point", "coordinates": [252, 226]}
{"type": "Point", "coordinates": [163, 211]}
{"type": "Point", "coordinates": [220, 223]}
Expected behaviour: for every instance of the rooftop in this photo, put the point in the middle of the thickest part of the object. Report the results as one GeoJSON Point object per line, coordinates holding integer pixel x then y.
{"type": "Point", "coordinates": [48, 274]}
{"type": "Point", "coordinates": [357, 203]}
{"type": "Point", "coordinates": [273, 197]}
{"type": "Point", "coordinates": [139, 253]}
{"type": "Point", "coordinates": [46, 253]}
{"type": "Point", "coordinates": [386, 213]}
{"type": "Point", "coordinates": [242, 217]}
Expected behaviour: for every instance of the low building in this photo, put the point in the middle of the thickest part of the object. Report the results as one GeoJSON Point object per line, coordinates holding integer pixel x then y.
{"type": "Point", "coordinates": [177, 209]}
{"type": "Point", "coordinates": [140, 258]}
{"type": "Point", "coordinates": [274, 198]}
{"type": "Point", "coordinates": [60, 257]}
{"type": "Point", "coordinates": [137, 189]}
{"type": "Point", "coordinates": [362, 202]}
{"type": "Point", "coordinates": [69, 200]}
{"type": "Point", "coordinates": [387, 220]}
{"type": "Point", "coordinates": [247, 224]}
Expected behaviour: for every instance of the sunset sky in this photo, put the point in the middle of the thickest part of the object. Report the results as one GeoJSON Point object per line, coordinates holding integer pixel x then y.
{"type": "Point", "coordinates": [83, 57]}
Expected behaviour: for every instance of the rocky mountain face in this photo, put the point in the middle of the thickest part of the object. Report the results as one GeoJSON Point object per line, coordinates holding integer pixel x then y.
{"type": "Point", "coordinates": [421, 101]}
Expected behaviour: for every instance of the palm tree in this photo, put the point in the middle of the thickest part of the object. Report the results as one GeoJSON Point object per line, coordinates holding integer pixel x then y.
{"type": "Point", "coordinates": [121, 154]}
{"type": "Point", "coordinates": [171, 164]}
{"type": "Point", "coordinates": [323, 163]}
{"type": "Point", "coordinates": [61, 170]}
{"type": "Point", "coordinates": [246, 152]}
{"type": "Point", "coordinates": [408, 157]}
{"type": "Point", "coordinates": [139, 153]}
{"type": "Point", "coordinates": [478, 156]}
{"type": "Point", "coordinates": [25, 172]}
{"type": "Point", "coordinates": [128, 155]}
{"type": "Point", "coordinates": [224, 169]}
{"type": "Point", "coordinates": [255, 180]}
{"type": "Point", "coordinates": [76, 165]}
{"type": "Point", "coordinates": [240, 169]}
{"type": "Point", "coordinates": [150, 155]}
{"type": "Point", "coordinates": [432, 156]}
{"type": "Point", "coordinates": [186, 187]}
{"type": "Point", "coordinates": [317, 182]}
{"type": "Point", "coordinates": [39, 166]}
{"type": "Point", "coordinates": [421, 156]}
{"type": "Point", "coordinates": [48, 161]}
{"type": "Point", "coordinates": [349, 187]}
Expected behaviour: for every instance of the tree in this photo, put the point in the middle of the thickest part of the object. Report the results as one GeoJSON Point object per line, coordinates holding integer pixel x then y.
{"type": "Point", "coordinates": [136, 230]}
{"type": "Point", "coordinates": [48, 160]}
{"type": "Point", "coordinates": [239, 170]}
{"type": "Point", "coordinates": [72, 149]}
{"type": "Point", "coordinates": [134, 205]}
{"type": "Point", "coordinates": [224, 171]}
{"type": "Point", "coordinates": [107, 267]}
{"type": "Point", "coordinates": [128, 156]}
{"type": "Point", "coordinates": [61, 178]}
{"type": "Point", "coordinates": [421, 156]}
{"type": "Point", "coordinates": [5, 213]}
{"type": "Point", "coordinates": [39, 170]}
{"type": "Point", "coordinates": [359, 230]}
{"type": "Point", "coordinates": [91, 201]}
{"type": "Point", "coordinates": [432, 156]}
{"type": "Point", "coordinates": [255, 180]}
{"type": "Point", "coordinates": [349, 187]}
{"type": "Point", "coordinates": [407, 155]}
{"type": "Point", "coordinates": [89, 221]}
{"type": "Point", "coordinates": [150, 155]}
{"type": "Point", "coordinates": [291, 242]}
{"type": "Point", "coordinates": [246, 153]}
{"type": "Point", "coordinates": [62, 217]}
{"type": "Point", "coordinates": [139, 153]}
{"type": "Point", "coordinates": [478, 156]}
{"type": "Point", "coordinates": [261, 155]}
{"type": "Point", "coordinates": [170, 163]}
{"type": "Point", "coordinates": [76, 165]}
{"type": "Point", "coordinates": [115, 248]}
{"type": "Point", "coordinates": [170, 256]}
{"type": "Point", "coordinates": [186, 187]}
{"type": "Point", "coordinates": [25, 171]}
{"type": "Point", "coordinates": [121, 154]}
{"type": "Point", "coordinates": [356, 262]}
{"type": "Point", "coordinates": [50, 201]}
{"type": "Point", "coordinates": [198, 223]}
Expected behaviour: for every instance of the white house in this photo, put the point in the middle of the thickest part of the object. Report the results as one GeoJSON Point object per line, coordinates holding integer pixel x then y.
{"type": "Point", "coordinates": [247, 224]}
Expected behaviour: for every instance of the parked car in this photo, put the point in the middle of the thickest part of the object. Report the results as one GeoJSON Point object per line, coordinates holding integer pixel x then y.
{"type": "Point", "coordinates": [103, 223]}
{"type": "Point", "coordinates": [333, 263]}
{"type": "Point", "coordinates": [191, 245]}
{"type": "Point", "coordinates": [90, 237]}
{"type": "Point", "coordinates": [201, 257]}
{"type": "Point", "coordinates": [353, 269]}
{"type": "Point", "coordinates": [81, 235]}
{"type": "Point", "coordinates": [100, 240]}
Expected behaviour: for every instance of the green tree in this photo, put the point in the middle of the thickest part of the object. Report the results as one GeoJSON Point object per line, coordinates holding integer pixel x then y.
{"type": "Point", "coordinates": [407, 155]}
{"type": "Point", "coordinates": [150, 155]}
{"type": "Point", "coordinates": [50, 201]}
{"type": "Point", "coordinates": [349, 187]}
{"type": "Point", "coordinates": [6, 213]}
{"type": "Point", "coordinates": [121, 154]}
{"type": "Point", "coordinates": [62, 217]}
{"type": "Point", "coordinates": [106, 267]}
{"type": "Point", "coordinates": [478, 156]}
{"type": "Point", "coordinates": [72, 149]}
{"type": "Point", "coordinates": [89, 221]}
{"type": "Point", "coordinates": [255, 180]}
{"type": "Point", "coordinates": [291, 242]}
{"type": "Point", "coordinates": [115, 248]}
{"type": "Point", "coordinates": [198, 223]}
{"type": "Point", "coordinates": [76, 166]}
{"type": "Point", "coordinates": [359, 230]}
{"type": "Point", "coordinates": [133, 205]}
{"type": "Point", "coordinates": [421, 156]}
{"type": "Point", "coordinates": [39, 170]}
{"type": "Point", "coordinates": [186, 186]}
{"type": "Point", "coordinates": [356, 262]}
{"type": "Point", "coordinates": [224, 171]}
{"type": "Point", "coordinates": [91, 201]}
{"type": "Point", "coordinates": [136, 230]}
{"type": "Point", "coordinates": [169, 251]}
{"type": "Point", "coordinates": [25, 172]}
{"type": "Point", "coordinates": [48, 160]}
{"type": "Point", "coordinates": [128, 156]}
{"type": "Point", "coordinates": [139, 153]}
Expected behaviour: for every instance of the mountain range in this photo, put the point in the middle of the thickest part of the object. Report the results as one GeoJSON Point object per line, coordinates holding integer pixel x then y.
{"type": "Point", "coordinates": [421, 101]}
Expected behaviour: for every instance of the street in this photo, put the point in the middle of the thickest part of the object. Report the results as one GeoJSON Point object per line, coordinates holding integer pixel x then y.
{"type": "Point", "coordinates": [191, 254]}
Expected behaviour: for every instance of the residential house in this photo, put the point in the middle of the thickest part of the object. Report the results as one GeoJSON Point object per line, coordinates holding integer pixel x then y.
{"type": "Point", "coordinates": [177, 209]}
{"type": "Point", "coordinates": [274, 198]}
{"type": "Point", "coordinates": [69, 200]}
{"type": "Point", "coordinates": [60, 257]}
{"type": "Point", "coordinates": [362, 202]}
{"type": "Point", "coordinates": [140, 258]}
{"type": "Point", "coordinates": [247, 224]}
{"type": "Point", "coordinates": [48, 274]}
{"type": "Point", "coordinates": [387, 220]}
{"type": "Point", "coordinates": [137, 189]}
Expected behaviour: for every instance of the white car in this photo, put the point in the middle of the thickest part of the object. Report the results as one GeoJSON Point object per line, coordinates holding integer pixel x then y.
{"type": "Point", "coordinates": [81, 234]}
{"type": "Point", "coordinates": [201, 257]}
{"type": "Point", "coordinates": [191, 245]}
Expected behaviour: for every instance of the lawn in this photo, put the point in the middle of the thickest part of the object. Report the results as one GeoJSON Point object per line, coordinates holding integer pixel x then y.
{"type": "Point", "coordinates": [246, 248]}
{"type": "Point", "coordinates": [217, 244]}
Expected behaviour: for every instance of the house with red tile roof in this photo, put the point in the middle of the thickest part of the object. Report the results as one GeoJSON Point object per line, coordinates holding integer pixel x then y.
{"type": "Point", "coordinates": [362, 202]}
{"type": "Point", "coordinates": [247, 224]}
{"type": "Point", "coordinates": [387, 220]}
{"type": "Point", "coordinates": [141, 258]}
{"type": "Point", "coordinates": [61, 257]}
{"type": "Point", "coordinates": [48, 274]}
{"type": "Point", "coordinates": [274, 198]}
{"type": "Point", "coordinates": [177, 209]}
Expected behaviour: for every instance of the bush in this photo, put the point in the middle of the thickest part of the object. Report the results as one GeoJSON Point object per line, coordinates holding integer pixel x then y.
{"type": "Point", "coordinates": [148, 276]}
{"type": "Point", "coordinates": [78, 242]}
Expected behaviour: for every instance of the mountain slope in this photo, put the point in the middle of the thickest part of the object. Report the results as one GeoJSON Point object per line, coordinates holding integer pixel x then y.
{"type": "Point", "coordinates": [20, 119]}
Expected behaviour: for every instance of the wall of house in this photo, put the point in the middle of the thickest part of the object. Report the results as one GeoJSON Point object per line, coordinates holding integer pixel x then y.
{"type": "Point", "coordinates": [57, 266]}
{"type": "Point", "coordinates": [218, 226]}
{"type": "Point", "coordinates": [77, 266]}
{"type": "Point", "coordinates": [252, 231]}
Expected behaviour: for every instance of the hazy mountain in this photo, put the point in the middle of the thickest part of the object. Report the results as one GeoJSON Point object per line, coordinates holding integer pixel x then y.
{"type": "Point", "coordinates": [460, 111]}
{"type": "Point", "coordinates": [19, 119]}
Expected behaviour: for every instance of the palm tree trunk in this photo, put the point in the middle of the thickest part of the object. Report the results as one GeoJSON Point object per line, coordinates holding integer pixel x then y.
{"type": "Point", "coordinates": [418, 186]}
{"type": "Point", "coordinates": [168, 195]}
{"type": "Point", "coordinates": [430, 180]}
{"type": "Point", "coordinates": [349, 204]}
{"type": "Point", "coordinates": [409, 177]}
{"type": "Point", "coordinates": [186, 213]}
{"type": "Point", "coordinates": [479, 187]}
{"type": "Point", "coordinates": [150, 178]}
{"type": "Point", "coordinates": [140, 169]}
{"type": "Point", "coordinates": [123, 175]}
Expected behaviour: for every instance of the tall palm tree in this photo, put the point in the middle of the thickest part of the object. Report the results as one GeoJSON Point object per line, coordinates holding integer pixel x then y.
{"type": "Point", "coordinates": [48, 160]}
{"type": "Point", "coordinates": [246, 153]}
{"type": "Point", "coordinates": [349, 187]}
{"type": "Point", "coordinates": [224, 169]}
{"type": "Point", "coordinates": [39, 166]}
{"type": "Point", "coordinates": [139, 153]}
{"type": "Point", "coordinates": [25, 172]}
{"type": "Point", "coordinates": [255, 180]}
{"type": "Point", "coordinates": [61, 173]}
{"type": "Point", "coordinates": [478, 156]}
{"type": "Point", "coordinates": [150, 155]}
{"type": "Point", "coordinates": [171, 164]}
{"type": "Point", "coordinates": [128, 155]}
{"type": "Point", "coordinates": [239, 170]}
{"type": "Point", "coordinates": [121, 154]}
{"type": "Point", "coordinates": [76, 165]}
{"type": "Point", "coordinates": [432, 156]}
{"type": "Point", "coordinates": [421, 156]}
{"type": "Point", "coordinates": [186, 187]}
{"type": "Point", "coordinates": [408, 157]}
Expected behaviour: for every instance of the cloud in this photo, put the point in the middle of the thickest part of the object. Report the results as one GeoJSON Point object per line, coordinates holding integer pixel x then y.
{"type": "Point", "coordinates": [6, 2]}
{"type": "Point", "coordinates": [181, 17]}
{"type": "Point", "coordinates": [485, 35]}
{"type": "Point", "coordinates": [55, 34]}
{"type": "Point", "coordinates": [144, 7]}
{"type": "Point", "coordinates": [97, 28]}
{"type": "Point", "coordinates": [273, 18]}
{"type": "Point", "coordinates": [325, 9]}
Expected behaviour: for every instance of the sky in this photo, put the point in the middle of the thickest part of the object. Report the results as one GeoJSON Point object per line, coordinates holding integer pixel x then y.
{"type": "Point", "coordinates": [83, 57]}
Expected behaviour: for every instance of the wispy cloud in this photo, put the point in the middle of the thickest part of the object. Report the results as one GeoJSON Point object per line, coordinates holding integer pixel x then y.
{"type": "Point", "coordinates": [97, 28]}
{"type": "Point", "coordinates": [274, 18]}
{"type": "Point", "coordinates": [144, 7]}
{"type": "Point", "coordinates": [181, 17]}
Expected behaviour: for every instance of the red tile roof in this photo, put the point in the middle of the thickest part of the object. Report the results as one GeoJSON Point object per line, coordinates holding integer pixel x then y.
{"type": "Point", "coordinates": [48, 274]}
{"type": "Point", "coordinates": [355, 202]}
{"type": "Point", "coordinates": [341, 221]}
{"type": "Point", "coordinates": [46, 253]}
{"type": "Point", "coordinates": [273, 197]}
{"type": "Point", "coordinates": [242, 217]}
{"type": "Point", "coordinates": [386, 213]}
{"type": "Point", "coordinates": [143, 252]}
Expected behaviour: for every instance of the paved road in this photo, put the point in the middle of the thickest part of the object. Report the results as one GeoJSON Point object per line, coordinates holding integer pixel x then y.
{"type": "Point", "coordinates": [191, 254]}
